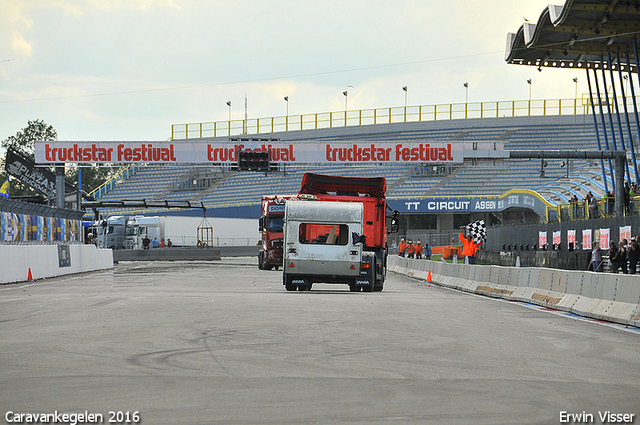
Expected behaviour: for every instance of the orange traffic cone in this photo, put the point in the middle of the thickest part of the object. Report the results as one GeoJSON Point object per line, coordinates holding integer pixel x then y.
{"type": "Point", "coordinates": [429, 277]}
{"type": "Point", "coordinates": [29, 275]}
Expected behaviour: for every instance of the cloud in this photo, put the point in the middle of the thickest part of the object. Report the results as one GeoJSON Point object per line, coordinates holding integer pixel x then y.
{"type": "Point", "coordinates": [12, 23]}
{"type": "Point", "coordinates": [15, 18]}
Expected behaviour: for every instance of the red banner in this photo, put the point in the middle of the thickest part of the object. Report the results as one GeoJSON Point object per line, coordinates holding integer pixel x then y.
{"type": "Point", "coordinates": [51, 152]}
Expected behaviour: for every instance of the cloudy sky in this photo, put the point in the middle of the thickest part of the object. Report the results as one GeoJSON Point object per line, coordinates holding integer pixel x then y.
{"type": "Point", "coordinates": [129, 69]}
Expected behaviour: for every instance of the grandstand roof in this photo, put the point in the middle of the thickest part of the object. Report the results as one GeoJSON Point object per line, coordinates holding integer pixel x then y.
{"type": "Point", "coordinates": [577, 35]}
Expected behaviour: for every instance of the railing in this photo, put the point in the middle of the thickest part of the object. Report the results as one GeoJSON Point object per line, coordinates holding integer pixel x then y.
{"type": "Point", "coordinates": [104, 188]}
{"type": "Point", "coordinates": [580, 210]}
{"type": "Point", "coordinates": [513, 108]}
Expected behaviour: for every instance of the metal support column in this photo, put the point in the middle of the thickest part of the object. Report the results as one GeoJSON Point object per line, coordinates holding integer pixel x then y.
{"type": "Point", "coordinates": [633, 93]}
{"type": "Point", "coordinates": [604, 126]}
{"type": "Point", "coordinates": [626, 114]}
{"type": "Point", "coordinates": [60, 186]}
{"type": "Point", "coordinates": [595, 124]}
{"type": "Point", "coordinates": [617, 108]}
{"type": "Point", "coordinates": [609, 109]}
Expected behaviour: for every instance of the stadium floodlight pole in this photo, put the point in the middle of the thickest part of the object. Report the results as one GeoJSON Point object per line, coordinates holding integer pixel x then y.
{"type": "Point", "coordinates": [405, 102]}
{"type": "Point", "coordinates": [466, 97]}
{"type": "Point", "coordinates": [619, 157]}
{"type": "Point", "coordinates": [530, 82]}
{"type": "Point", "coordinates": [286, 100]}
{"type": "Point", "coordinates": [346, 95]}
{"type": "Point", "coordinates": [229, 105]}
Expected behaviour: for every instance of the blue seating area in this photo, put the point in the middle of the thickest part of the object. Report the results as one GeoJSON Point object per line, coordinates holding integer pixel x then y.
{"type": "Point", "coordinates": [483, 177]}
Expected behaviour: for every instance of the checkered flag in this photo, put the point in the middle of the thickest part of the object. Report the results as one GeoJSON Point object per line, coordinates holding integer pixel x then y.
{"type": "Point", "coordinates": [478, 231]}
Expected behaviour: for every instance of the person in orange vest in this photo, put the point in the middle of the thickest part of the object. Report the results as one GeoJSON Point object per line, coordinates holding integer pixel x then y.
{"type": "Point", "coordinates": [402, 248]}
{"type": "Point", "coordinates": [469, 247]}
{"type": "Point", "coordinates": [418, 250]}
{"type": "Point", "coordinates": [411, 249]}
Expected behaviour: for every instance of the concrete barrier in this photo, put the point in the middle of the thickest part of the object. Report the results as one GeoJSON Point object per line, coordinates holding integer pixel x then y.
{"type": "Point", "coordinates": [50, 260]}
{"type": "Point", "coordinates": [604, 296]}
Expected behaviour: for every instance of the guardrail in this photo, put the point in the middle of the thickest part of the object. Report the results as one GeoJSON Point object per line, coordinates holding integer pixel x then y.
{"type": "Point", "coordinates": [450, 111]}
{"type": "Point", "coordinates": [602, 296]}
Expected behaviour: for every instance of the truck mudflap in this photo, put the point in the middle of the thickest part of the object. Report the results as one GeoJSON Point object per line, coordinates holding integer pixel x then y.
{"type": "Point", "coordinates": [296, 283]}
{"type": "Point", "coordinates": [366, 280]}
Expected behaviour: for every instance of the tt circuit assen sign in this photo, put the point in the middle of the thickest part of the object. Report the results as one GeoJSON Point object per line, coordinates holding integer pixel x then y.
{"type": "Point", "coordinates": [203, 152]}
{"type": "Point", "coordinates": [514, 198]}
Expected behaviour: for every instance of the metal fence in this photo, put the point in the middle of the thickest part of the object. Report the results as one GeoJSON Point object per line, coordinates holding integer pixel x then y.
{"type": "Point", "coordinates": [450, 111]}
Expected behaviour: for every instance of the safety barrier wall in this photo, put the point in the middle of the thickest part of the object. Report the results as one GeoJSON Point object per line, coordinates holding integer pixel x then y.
{"type": "Point", "coordinates": [46, 261]}
{"type": "Point", "coordinates": [603, 296]}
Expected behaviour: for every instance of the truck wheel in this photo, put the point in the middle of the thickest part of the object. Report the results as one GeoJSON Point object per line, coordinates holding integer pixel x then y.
{"type": "Point", "coordinates": [287, 283]}
{"type": "Point", "coordinates": [260, 261]}
{"type": "Point", "coordinates": [378, 285]}
{"type": "Point", "coordinates": [353, 287]}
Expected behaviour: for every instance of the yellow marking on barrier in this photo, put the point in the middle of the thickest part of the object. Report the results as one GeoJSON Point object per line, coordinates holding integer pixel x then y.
{"type": "Point", "coordinates": [496, 291]}
{"type": "Point", "coordinates": [545, 298]}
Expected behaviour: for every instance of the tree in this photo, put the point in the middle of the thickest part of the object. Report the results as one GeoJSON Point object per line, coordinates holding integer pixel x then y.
{"type": "Point", "coordinates": [92, 175]}
{"type": "Point", "coordinates": [23, 141]}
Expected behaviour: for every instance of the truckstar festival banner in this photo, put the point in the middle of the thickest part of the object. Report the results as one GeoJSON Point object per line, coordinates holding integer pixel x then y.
{"type": "Point", "coordinates": [361, 152]}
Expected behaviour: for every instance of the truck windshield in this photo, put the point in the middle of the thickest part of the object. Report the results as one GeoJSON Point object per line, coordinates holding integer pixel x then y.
{"type": "Point", "coordinates": [324, 234]}
{"type": "Point", "coordinates": [274, 224]}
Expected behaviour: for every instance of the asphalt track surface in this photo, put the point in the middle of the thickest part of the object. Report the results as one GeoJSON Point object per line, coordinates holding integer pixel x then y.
{"type": "Point", "coordinates": [223, 343]}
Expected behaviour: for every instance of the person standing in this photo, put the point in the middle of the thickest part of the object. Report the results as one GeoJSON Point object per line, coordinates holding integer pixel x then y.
{"type": "Point", "coordinates": [145, 242]}
{"type": "Point", "coordinates": [633, 255]}
{"type": "Point", "coordinates": [622, 256]}
{"type": "Point", "coordinates": [411, 249]}
{"type": "Point", "coordinates": [427, 251]}
{"type": "Point", "coordinates": [418, 250]}
{"type": "Point", "coordinates": [596, 258]}
{"type": "Point", "coordinates": [469, 247]}
{"type": "Point", "coordinates": [402, 248]}
{"type": "Point", "coordinates": [614, 257]}
{"type": "Point", "coordinates": [593, 207]}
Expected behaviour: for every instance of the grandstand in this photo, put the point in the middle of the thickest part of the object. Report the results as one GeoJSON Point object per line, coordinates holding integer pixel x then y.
{"type": "Point", "coordinates": [554, 179]}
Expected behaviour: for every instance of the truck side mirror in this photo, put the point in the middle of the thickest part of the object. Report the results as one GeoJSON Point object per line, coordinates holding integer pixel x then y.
{"type": "Point", "coordinates": [261, 224]}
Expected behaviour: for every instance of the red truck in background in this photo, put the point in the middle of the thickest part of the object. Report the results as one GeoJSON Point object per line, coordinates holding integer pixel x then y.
{"type": "Point", "coordinates": [336, 232]}
{"type": "Point", "coordinates": [270, 228]}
